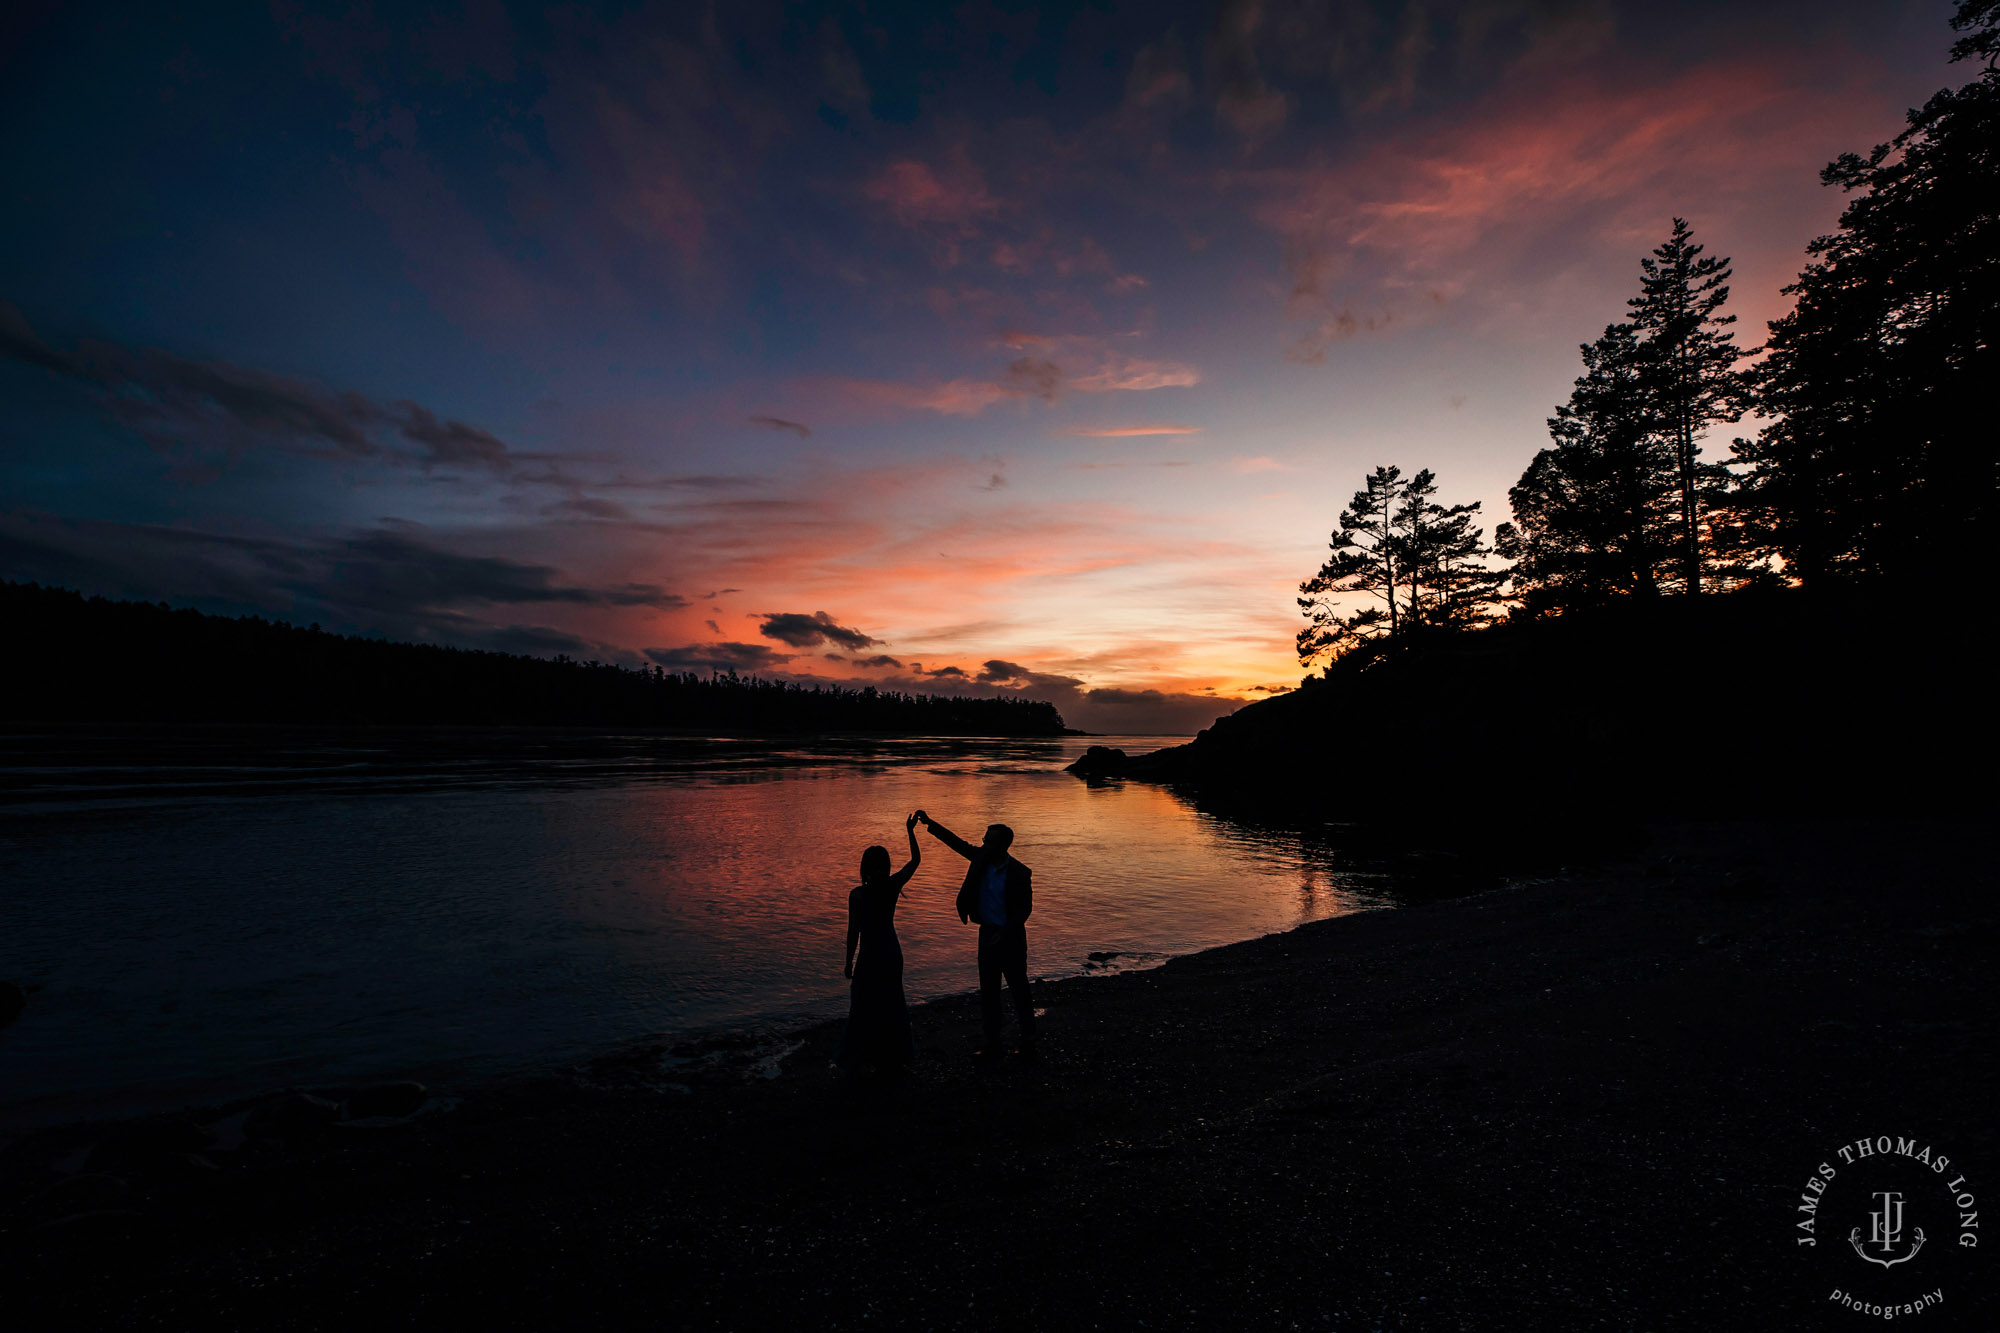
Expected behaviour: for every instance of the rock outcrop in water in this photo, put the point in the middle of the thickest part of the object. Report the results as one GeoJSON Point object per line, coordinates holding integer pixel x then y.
{"type": "Point", "coordinates": [1103, 761]}
{"type": "Point", "coordinates": [1099, 761]}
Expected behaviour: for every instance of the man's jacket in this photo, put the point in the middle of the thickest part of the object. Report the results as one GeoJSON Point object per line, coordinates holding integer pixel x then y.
{"type": "Point", "coordinates": [971, 906]}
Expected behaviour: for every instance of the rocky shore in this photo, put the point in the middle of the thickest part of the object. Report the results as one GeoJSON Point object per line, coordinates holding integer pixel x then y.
{"type": "Point", "coordinates": [1586, 1101]}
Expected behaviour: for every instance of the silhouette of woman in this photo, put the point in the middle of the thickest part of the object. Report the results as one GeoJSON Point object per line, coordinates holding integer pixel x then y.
{"type": "Point", "coordinates": [878, 1018]}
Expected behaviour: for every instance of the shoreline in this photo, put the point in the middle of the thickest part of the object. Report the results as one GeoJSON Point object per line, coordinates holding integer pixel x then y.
{"type": "Point", "coordinates": [1578, 1100]}
{"type": "Point", "coordinates": [615, 1059]}
{"type": "Point", "coordinates": [727, 1047]}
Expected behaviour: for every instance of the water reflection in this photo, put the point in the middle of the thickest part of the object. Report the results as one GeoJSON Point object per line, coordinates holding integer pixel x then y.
{"type": "Point", "coordinates": [202, 921]}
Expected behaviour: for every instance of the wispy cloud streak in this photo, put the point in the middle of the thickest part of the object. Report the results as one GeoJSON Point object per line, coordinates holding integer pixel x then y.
{"type": "Point", "coordinates": [1127, 432]}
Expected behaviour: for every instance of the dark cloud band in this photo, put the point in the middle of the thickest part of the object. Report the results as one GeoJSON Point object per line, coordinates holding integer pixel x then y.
{"type": "Point", "coordinates": [175, 400]}
{"type": "Point", "coordinates": [799, 630]}
{"type": "Point", "coordinates": [719, 657]}
{"type": "Point", "coordinates": [397, 581]}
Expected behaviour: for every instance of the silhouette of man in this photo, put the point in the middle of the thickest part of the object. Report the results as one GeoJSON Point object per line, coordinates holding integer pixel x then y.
{"type": "Point", "coordinates": [998, 895]}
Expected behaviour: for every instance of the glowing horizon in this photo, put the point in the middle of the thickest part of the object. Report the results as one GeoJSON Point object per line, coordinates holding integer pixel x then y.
{"type": "Point", "coordinates": [1021, 355]}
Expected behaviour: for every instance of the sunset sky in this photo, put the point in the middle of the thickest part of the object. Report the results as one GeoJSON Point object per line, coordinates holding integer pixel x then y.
{"type": "Point", "coordinates": [981, 346]}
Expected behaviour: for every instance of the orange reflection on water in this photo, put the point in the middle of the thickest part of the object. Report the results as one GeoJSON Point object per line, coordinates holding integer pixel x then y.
{"type": "Point", "coordinates": [200, 931]}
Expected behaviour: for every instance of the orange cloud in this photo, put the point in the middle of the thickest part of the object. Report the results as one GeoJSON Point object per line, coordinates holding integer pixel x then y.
{"type": "Point", "coordinates": [1116, 597]}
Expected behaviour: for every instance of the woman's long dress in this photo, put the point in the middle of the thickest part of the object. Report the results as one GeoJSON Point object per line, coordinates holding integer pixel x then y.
{"type": "Point", "coordinates": [878, 1017]}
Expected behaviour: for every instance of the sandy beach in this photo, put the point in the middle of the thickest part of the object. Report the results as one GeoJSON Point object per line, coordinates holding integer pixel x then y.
{"type": "Point", "coordinates": [1582, 1101]}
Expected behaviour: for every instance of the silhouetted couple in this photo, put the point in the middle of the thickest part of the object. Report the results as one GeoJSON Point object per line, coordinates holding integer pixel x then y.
{"type": "Point", "coordinates": [997, 893]}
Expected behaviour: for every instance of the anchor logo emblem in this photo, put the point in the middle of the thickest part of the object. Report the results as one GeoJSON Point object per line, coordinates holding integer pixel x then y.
{"type": "Point", "coordinates": [1885, 1230]}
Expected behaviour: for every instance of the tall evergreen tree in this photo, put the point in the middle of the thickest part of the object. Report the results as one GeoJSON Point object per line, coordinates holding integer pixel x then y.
{"type": "Point", "coordinates": [1878, 463]}
{"type": "Point", "coordinates": [1688, 368]}
{"type": "Point", "coordinates": [1421, 562]}
{"type": "Point", "coordinates": [1594, 516]}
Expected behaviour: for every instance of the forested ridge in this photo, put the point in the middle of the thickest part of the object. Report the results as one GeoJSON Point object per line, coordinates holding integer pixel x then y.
{"type": "Point", "coordinates": [1753, 704]}
{"type": "Point", "coordinates": [79, 659]}
{"type": "Point", "coordinates": [1793, 627]}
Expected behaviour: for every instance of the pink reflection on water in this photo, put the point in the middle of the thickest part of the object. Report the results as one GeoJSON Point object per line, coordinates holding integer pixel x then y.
{"type": "Point", "coordinates": [192, 949]}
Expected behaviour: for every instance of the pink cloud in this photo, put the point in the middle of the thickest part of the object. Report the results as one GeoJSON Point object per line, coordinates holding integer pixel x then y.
{"type": "Point", "coordinates": [1123, 432]}
{"type": "Point", "coordinates": [1044, 250]}
{"type": "Point", "coordinates": [1034, 375]}
{"type": "Point", "coordinates": [1497, 198]}
{"type": "Point", "coordinates": [956, 398]}
{"type": "Point", "coordinates": [916, 195]}
{"type": "Point", "coordinates": [1136, 375]}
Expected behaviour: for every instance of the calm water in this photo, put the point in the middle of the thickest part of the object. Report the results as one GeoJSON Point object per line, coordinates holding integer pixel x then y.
{"type": "Point", "coordinates": [213, 916]}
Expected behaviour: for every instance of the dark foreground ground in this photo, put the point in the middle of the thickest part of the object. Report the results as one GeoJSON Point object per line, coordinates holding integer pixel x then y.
{"type": "Point", "coordinates": [1588, 1102]}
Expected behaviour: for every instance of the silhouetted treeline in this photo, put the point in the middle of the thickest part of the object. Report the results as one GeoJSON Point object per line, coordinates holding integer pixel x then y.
{"type": "Point", "coordinates": [1876, 468]}
{"type": "Point", "coordinates": [1880, 466]}
{"type": "Point", "coordinates": [91, 660]}
{"type": "Point", "coordinates": [1797, 706]}
{"type": "Point", "coordinates": [1619, 689]}
{"type": "Point", "coordinates": [1874, 472]}
{"type": "Point", "coordinates": [1623, 504]}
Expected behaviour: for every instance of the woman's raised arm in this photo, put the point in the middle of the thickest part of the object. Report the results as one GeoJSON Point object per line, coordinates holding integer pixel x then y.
{"type": "Point", "coordinates": [902, 877]}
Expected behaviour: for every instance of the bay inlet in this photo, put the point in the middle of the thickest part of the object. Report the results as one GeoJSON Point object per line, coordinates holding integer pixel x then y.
{"type": "Point", "coordinates": [207, 913]}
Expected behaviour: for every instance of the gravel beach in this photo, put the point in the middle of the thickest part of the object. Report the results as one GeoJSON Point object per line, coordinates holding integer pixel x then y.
{"type": "Point", "coordinates": [1583, 1101]}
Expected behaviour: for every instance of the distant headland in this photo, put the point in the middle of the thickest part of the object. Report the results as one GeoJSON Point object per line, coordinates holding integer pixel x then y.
{"type": "Point", "coordinates": [89, 659]}
{"type": "Point", "coordinates": [1741, 705]}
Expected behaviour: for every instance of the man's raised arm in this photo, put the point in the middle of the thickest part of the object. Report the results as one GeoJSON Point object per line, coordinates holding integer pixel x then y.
{"type": "Point", "coordinates": [948, 838]}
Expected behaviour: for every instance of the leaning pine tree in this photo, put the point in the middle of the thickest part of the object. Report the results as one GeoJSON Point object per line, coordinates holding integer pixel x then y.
{"type": "Point", "coordinates": [1366, 559]}
{"type": "Point", "coordinates": [1418, 564]}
